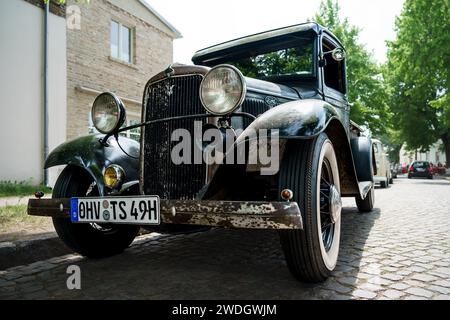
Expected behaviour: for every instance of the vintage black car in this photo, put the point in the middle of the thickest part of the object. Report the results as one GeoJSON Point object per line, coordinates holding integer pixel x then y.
{"type": "Point", "coordinates": [289, 86]}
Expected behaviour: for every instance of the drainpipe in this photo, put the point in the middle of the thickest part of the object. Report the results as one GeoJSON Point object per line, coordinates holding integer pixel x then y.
{"type": "Point", "coordinates": [46, 16]}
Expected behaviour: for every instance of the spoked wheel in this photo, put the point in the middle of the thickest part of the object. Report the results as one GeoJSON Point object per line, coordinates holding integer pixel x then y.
{"type": "Point", "coordinates": [310, 170]}
{"type": "Point", "coordinates": [91, 240]}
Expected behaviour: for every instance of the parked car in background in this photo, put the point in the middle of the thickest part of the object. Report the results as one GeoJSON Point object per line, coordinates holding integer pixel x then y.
{"type": "Point", "coordinates": [439, 169]}
{"type": "Point", "coordinates": [383, 175]}
{"type": "Point", "coordinates": [422, 169]}
{"type": "Point", "coordinates": [394, 172]}
{"type": "Point", "coordinates": [404, 168]}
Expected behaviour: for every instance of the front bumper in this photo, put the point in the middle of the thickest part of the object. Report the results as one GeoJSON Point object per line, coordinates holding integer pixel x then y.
{"type": "Point", "coordinates": [228, 214]}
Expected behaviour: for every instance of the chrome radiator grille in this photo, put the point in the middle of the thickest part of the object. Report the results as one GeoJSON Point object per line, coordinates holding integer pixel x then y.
{"type": "Point", "coordinates": [171, 97]}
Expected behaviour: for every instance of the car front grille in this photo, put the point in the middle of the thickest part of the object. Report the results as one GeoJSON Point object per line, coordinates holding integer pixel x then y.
{"type": "Point", "coordinates": [171, 97]}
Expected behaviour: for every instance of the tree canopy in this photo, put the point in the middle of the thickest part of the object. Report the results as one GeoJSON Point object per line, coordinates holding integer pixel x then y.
{"type": "Point", "coordinates": [366, 88]}
{"type": "Point", "coordinates": [418, 73]}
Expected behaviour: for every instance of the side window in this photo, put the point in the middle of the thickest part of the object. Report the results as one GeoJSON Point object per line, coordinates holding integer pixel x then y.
{"type": "Point", "coordinates": [334, 71]}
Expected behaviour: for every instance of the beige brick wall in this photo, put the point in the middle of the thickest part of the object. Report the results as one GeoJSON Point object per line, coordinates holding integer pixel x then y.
{"type": "Point", "coordinates": [89, 63]}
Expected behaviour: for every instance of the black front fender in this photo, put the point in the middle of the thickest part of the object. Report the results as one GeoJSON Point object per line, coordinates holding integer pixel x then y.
{"type": "Point", "coordinates": [302, 119]}
{"type": "Point", "coordinates": [88, 153]}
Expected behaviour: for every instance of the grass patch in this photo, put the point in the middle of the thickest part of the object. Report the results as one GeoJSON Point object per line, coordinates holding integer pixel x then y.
{"type": "Point", "coordinates": [9, 214]}
{"type": "Point", "coordinates": [15, 220]}
{"type": "Point", "coordinates": [22, 188]}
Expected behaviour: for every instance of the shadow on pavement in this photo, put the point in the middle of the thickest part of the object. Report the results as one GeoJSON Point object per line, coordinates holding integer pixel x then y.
{"type": "Point", "coordinates": [218, 264]}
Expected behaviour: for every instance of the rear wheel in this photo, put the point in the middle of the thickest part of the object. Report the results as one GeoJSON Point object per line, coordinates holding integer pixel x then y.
{"type": "Point", "coordinates": [90, 240]}
{"type": "Point", "coordinates": [310, 170]}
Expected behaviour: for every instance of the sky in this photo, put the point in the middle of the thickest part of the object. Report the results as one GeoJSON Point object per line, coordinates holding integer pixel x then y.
{"type": "Point", "coordinates": [203, 23]}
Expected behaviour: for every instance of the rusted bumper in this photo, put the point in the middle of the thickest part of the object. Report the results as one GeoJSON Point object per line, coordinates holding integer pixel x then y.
{"type": "Point", "coordinates": [229, 214]}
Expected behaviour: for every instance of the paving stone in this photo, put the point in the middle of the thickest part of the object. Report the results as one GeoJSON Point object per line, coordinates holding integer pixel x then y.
{"type": "Point", "coordinates": [335, 286]}
{"type": "Point", "coordinates": [442, 297]}
{"type": "Point", "coordinates": [413, 297]}
{"type": "Point", "coordinates": [423, 277]}
{"type": "Point", "coordinates": [442, 283]}
{"type": "Point", "coordinates": [370, 287]}
{"type": "Point", "coordinates": [399, 286]}
{"type": "Point", "coordinates": [393, 294]}
{"type": "Point", "coordinates": [439, 289]}
{"type": "Point", "coordinates": [392, 276]}
{"type": "Point", "coordinates": [364, 294]}
{"type": "Point", "coordinates": [414, 283]}
{"type": "Point", "coordinates": [443, 270]}
{"type": "Point", "coordinates": [420, 292]}
{"type": "Point", "coordinates": [350, 281]}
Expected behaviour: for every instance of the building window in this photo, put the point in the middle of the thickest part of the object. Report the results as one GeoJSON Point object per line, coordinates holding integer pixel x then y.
{"type": "Point", "coordinates": [134, 134]}
{"type": "Point", "coordinates": [121, 42]}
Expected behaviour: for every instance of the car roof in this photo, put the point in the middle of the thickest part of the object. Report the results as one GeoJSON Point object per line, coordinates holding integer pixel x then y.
{"type": "Point", "coordinates": [302, 27]}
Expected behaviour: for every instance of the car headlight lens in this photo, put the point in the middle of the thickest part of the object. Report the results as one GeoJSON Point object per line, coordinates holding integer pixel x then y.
{"type": "Point", "coordinates": [108, 113]}
{"type": "Point", "coordinates": [113, 176]}
{"type": "Point", "coordinates": [222, 90]}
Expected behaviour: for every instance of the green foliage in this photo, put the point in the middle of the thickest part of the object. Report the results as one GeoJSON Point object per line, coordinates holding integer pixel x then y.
{"type": "Point", "coordinates": [297, 60]}
{"type": "Point", "coordinates": [14, 222]}
{"type": "Point", "coordinates": [59, 1]}
{"type": "Point", "coordinates": [366, 88]}
{"type": "Point", "coordinates": [13, 213]}
{"type": "Point", "coordinates": [418, 73]}
{"type": "Point", "coordinates": [22, 188]}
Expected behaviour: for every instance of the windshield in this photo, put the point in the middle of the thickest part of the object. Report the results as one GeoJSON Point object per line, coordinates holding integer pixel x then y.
{"type": "Point", "coordinates": [292, 55]}
{"type": "Point", "coordinates": [421, 165]}
{"type": "Point", "coordinates": [288, 60]}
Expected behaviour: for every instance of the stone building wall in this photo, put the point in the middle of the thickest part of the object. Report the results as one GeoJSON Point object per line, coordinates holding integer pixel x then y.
{"type": "Point", "coordinates": [90, 65]}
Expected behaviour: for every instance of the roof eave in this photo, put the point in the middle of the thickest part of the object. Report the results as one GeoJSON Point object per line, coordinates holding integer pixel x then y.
{"type": "Point", "coordinates": [177, 34]}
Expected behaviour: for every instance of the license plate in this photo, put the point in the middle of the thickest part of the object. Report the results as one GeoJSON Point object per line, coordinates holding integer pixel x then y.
{"type": "Point", "coordinates": [420, 170]}
{"type": "Point", "coordinates": [117, 210]}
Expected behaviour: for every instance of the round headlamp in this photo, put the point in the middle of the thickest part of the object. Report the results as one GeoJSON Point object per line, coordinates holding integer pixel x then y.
{"type": "Point", "coordinates": [113, 176]}
{"type": "Point", "coordinates": [222, 90]}
{"type": "Point", "coordinates": [108, 113]}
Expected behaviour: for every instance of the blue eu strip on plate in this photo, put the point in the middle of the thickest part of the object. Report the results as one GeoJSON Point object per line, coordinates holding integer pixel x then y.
{"type": "Point", "coordinates": [74, 209]}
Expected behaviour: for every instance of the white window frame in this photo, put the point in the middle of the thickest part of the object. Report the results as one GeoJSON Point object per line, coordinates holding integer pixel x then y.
{"type": "Point", "coordinates": [131, 40]}
{"type": "Point", "coordinates": [129, 133]}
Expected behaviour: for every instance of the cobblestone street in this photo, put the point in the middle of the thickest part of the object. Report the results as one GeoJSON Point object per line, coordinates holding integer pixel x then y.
{"type": "Point", "coordinates": [399, 251]}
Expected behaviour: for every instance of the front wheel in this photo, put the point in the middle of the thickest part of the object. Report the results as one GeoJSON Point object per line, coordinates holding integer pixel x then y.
{"type": "Point", "coordinates": [310, 170]}
{"type": "Point", "coordinates": [90, 240]}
